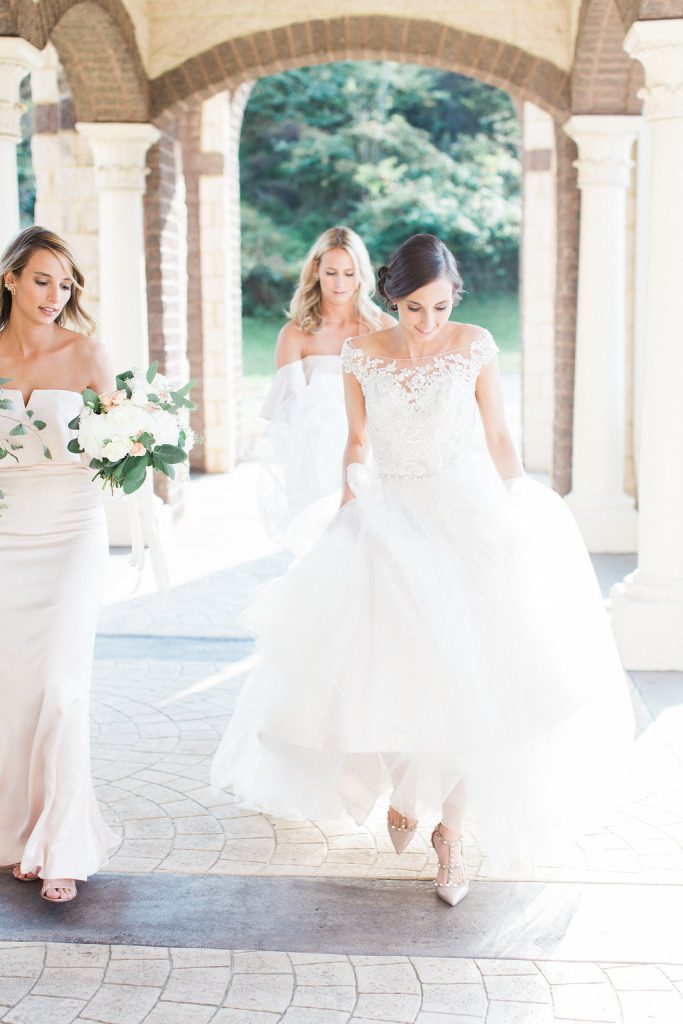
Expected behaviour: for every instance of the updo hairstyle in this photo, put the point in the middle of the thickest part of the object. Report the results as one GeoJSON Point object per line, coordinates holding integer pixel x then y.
{"type": "Point", "coordinates": [418, 261]}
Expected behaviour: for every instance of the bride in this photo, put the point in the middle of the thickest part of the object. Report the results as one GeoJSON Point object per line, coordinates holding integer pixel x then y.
{"type": "Point", "coordinates": [445, 641]}
{"type": "Point", "coordinates": [305, 440]}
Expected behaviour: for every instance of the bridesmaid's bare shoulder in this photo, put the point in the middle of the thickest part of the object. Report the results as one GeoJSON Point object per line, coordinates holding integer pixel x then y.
{"type": "Point", "coordinates": [290, 345]}
{"type": "Point", "coordinates": [92, 358]}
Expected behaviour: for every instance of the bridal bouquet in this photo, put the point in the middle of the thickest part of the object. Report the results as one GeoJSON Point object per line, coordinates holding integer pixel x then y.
{"type": "Point", "coordinates": [143, 423]}
{"type": "Point", "coordinates": [9, 443]}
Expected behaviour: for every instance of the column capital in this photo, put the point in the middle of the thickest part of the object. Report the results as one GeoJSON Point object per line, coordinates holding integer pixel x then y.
{"type": "Point", "coordinates": [604, 142]}
{"type": "Point", "coordinates": [120, 151]}
{"type": "Point", "coordinates": [658, 45]}
{"type": "Point", "coordinates": [17, 58]}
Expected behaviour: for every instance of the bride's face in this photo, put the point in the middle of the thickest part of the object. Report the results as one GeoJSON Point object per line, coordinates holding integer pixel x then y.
{"type": "Point", "coordinates": [424, 312]}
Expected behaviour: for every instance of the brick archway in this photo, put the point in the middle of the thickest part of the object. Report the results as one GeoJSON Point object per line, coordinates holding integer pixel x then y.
{"type": "Point", "coordinates": [95, 40]}
{"type": "Point", "coordinates": [408, 40]}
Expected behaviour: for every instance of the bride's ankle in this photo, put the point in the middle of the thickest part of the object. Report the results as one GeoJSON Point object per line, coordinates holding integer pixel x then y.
{"type": "Point", "coordinates": [449, 835]}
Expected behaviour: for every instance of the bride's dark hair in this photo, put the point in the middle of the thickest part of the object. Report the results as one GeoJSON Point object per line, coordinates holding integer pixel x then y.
{"type": "Point", "coordinates": [421, 259]}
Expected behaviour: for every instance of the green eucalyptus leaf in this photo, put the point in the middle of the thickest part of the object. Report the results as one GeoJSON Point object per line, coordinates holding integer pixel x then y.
{"type": "Point", "coordinates": [19, 429]}
{"type": "Point", "coordinates": [3, 453]}
{"type": "Point", "coordinates": [91, 399]}
{"type": "Point", "coordinates": [6, 403]}
{"type": "Point", "coordinates": [170, 453]}
{"type": "Point", "coordinates": [147, 439]}
{"type": "Point", "coordinates": [29, 413]}
{"type": "Point", "coordinates": [74, 447]}
{"type": "Point", "coordinates": [152, 372]}
{"type": "Point", "coordinates": [135, 477]}
{"type": "Point", "coordinates": [39, 424]}
{"type": "Point", "coordinates": [46, 452]}
{"type": "Point", "coordinates": [75, 423]}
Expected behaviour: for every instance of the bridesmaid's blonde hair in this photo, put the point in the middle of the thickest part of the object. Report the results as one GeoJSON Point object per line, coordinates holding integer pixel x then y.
{"type": "Point", "coordinates": [305, 308]}
{"type": "Point", "coordinates": [16, 256]}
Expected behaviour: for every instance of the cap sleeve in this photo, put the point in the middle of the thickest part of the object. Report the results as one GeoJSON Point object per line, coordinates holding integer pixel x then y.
{"type": "Point", "coordinates": [352, 360]}
{"type": "Point", "coordinates": [483, 350]}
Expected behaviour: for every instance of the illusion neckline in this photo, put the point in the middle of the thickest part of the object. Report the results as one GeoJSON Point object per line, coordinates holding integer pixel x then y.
{"type": "Point", "coordinates": [468, 345]}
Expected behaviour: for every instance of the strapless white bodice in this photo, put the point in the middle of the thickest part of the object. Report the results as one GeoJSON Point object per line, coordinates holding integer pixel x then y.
{"type": "Point", "coordinates": [55, 408]}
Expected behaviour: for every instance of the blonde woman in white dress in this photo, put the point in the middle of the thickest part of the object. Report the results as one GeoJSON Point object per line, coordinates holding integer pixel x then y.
{"type": "Point", "coordinates": [305, 406]}
{"type": "Point", "coordinates": [53, 556]}
{"type": "Point", "coordinates": [444, 646]}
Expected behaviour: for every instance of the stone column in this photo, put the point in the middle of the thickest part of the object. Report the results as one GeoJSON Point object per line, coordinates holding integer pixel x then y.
{"type": "Point", "coordinates": [538, 288]}
{"type": "Point", "coordinates": [119, 152]}
{"type": "Point", "coordinates": [17, 58]}
{"type": "Point", "coordinates": [211, 145]}
{"type": "Point", "coordinates": [648, 605]}
{"type": "Point", "coordinates": [605, 514]}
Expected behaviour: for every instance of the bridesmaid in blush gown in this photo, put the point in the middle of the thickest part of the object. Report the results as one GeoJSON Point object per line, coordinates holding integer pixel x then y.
{"type": "Point", "coordinates": [305, 439]}
{"type": "Point", "coordinates": [53, 555]}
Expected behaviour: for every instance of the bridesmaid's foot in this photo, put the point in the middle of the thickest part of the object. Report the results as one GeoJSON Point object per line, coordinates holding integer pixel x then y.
{"type": "Point", "coordinates": [21, 876]}
{"type": "Point", "coordinates": [59, 890]}
{"type": "Point", "coordinates": [401, 829]}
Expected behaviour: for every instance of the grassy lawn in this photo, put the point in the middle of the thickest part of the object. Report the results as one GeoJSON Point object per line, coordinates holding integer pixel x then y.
{"type": "Point", "coordinates": [500, 313]}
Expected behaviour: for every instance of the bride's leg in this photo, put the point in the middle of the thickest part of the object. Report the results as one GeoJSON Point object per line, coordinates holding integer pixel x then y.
{"type": "Point", "coordinates": [401, 823]}
{"type": "Point", "coordinates": [451, 828]}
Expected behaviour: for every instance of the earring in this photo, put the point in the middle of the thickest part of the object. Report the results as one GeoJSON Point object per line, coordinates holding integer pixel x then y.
{"type": "Point", "coordinates": [394, 306]}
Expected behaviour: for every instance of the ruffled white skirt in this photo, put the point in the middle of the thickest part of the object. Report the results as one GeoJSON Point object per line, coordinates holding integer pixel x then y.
{"type": "Point", "coordinates": [441, 629]}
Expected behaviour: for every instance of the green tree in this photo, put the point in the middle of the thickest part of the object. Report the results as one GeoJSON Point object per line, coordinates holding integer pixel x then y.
{"type": "Point", "coordinates": [388, 149]}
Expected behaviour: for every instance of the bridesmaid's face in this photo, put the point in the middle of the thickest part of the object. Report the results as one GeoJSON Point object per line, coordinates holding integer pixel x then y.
{"type": "Point", "coordinates": [338, 277]}
{"type": "Point", "coordinates": [42, 288]}
{"type": "Point", "coordinates": [424, 312]}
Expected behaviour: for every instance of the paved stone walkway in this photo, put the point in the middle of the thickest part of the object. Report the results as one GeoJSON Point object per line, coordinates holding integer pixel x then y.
{"type": "Point", "coordinates": [168, 670]}
{"type": "Point", "coordinates": [57, 984]}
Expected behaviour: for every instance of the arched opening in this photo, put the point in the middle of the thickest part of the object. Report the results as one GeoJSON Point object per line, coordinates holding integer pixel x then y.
{"type": "Point", "coordinates": [388, 149]}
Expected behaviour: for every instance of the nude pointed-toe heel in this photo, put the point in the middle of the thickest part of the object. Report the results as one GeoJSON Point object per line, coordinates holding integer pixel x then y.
{"type": "Point", "coordinates": [400, 834]}
{"type": "Point", "coordinates": [449, 891]}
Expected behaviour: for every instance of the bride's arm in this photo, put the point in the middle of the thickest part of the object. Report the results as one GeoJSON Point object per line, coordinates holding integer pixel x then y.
{"type": "Point", "coordinates": [499, 442]}
{"type": "Point", "coordinates": [357, 445]}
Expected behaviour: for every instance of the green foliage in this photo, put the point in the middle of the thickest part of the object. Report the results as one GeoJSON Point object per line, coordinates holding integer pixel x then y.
{"type": "Point", "coordinates": [26, 177]}
{"type": "Point", "coordinates": [388, 149]}
{"type": "Point", "coordinates": [499, 312]}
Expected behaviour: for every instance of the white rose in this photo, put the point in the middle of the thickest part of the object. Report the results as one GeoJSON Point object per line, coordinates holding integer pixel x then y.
{"type": "Point", "coordinates": [116, 450]}
{"type": "Point", "coordinates": [127, 421]}
{"type": "Point", "coordinates": [92, 433]}
{"type": "Point", "coordinates": [164, 427]}
{"type": "Point", "coordinates": [139, 398]}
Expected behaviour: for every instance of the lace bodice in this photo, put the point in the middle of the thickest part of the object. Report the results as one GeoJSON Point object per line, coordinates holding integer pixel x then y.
{"type": "Point", "coordinates": [421, 412]}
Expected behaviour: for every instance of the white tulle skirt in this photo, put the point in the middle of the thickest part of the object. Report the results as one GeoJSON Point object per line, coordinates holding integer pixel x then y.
{"type": "Point", "coordinates": [442, 629]}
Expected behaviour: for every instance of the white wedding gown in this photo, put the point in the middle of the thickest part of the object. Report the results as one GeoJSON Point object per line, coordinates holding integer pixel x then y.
{"type": "Point", "coordinates": [301, 452]}
{"type": "Point", "coordinates": [443, 628]}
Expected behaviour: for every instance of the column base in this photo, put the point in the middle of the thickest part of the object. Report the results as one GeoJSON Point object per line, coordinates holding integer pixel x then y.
{"type": "Point", "coordinates": [610, 527]}
{"type": "Point", "coordinates": [647, 621]}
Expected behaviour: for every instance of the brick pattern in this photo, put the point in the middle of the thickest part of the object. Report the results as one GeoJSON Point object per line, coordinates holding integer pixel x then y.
{"type": "Point", "coordinates": [364, 38]}
{"type": "Point", "coordinates": [604, 79]}
{"type": "Point", "coordinates": [165, 245]}
{"type": "Point", "coordinates": [97, 46]}
{"type": "Point", "coordinates": [568, 207]}
{"type": "Point", "coordinates": [210, 136]}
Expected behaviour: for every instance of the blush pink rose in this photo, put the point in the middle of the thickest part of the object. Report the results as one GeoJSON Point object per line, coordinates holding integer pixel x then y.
{"type": "Point", "coordinates": [138, 449]}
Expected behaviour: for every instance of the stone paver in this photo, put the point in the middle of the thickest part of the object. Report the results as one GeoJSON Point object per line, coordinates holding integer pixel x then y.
{"type": "Point", "coordinates": [195, 986]}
